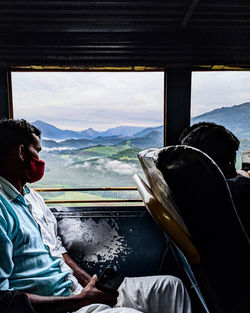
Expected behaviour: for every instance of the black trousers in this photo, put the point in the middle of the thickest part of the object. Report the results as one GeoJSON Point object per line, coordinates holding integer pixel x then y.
{"type": "Point", "coordinates": [14, 302]}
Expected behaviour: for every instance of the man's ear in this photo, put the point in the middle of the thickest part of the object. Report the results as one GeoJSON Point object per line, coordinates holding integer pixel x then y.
{"type": "Point", "coordinates": [21, 152]}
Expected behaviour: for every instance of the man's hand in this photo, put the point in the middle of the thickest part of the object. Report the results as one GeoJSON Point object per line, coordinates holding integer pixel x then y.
{"type": "Point", "coordinates": [91, 294]}
{"type": "Point", "coordinates": [82, 276]}
{"type": "Point", "coordinates": [243, 173]}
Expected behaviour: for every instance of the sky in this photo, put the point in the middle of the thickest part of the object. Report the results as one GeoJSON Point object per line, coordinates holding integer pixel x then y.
{"type": "Point", "coordinates": [101, 100]}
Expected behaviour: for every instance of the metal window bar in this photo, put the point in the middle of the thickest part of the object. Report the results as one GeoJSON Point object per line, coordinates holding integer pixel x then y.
{"type": "Point", "coordinates": [89, 189]}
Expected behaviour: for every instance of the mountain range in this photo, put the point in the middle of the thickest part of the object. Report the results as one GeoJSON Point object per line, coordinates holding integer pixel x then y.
{"type": "Point", "coordinates": [235, 118]}
{"type": "Point", "coordinates": [51, 132]}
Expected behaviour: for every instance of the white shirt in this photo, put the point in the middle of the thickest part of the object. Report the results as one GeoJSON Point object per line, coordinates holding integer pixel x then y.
{"type": "Point", "coordinates": [48, 226]}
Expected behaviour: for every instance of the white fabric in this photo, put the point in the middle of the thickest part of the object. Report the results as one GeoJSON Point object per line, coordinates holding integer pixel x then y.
{"type": "Point", "coordinates": [48, 227]}
{"type": "Point", "coordinates": [151, 294]}
{"type": "Point", "coordinates": [103, 308]}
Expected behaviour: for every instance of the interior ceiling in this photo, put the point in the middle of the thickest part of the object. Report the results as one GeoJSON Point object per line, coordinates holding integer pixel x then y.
{"type": "Point", "coordinates": [124, 33]}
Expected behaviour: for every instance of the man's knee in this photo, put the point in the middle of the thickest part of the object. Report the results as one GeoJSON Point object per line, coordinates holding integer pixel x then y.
{"type": "Point", "coordinates": [156, 282]}
{"type": "Point", "coordinates": [167, 281]}
{"type": "Point", "coordinates": [175, 283]}
{"type": "Point", "coordinates": [103, 308]}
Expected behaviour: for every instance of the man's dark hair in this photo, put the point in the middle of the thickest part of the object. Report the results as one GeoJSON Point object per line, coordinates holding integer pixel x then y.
{"type": "Point", "coordinates": [15, 132]}
{"type": "Point", "coordinates": [216, 141]}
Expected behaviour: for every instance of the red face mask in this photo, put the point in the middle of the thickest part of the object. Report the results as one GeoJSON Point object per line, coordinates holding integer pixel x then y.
{"type": "Point", "coordinates": [35, 169]}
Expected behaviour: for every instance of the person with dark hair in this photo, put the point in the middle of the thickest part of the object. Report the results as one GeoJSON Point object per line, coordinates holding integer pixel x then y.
{"type": "Point", "coordinates": [32, 258]}
{"type": "Point", "coordinates": [221, 145]}
{"type": "Point", "coordinates": [216, 141]}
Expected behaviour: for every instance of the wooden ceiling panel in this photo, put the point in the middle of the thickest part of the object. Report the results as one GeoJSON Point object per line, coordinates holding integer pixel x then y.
{"type": "Point", "coordinates": [124, 33]}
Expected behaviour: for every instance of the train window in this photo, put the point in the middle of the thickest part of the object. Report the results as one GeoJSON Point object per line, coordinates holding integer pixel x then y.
{"type": "Point", "coordinates": [223, 98]}
{"type": "Point", "coordinates": [93, 125]}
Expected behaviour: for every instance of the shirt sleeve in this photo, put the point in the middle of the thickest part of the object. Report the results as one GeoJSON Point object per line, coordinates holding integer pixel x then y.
{"type": "Point", "coordinates": [6, 251]}
{"type": "Point", "coordinates": [50, 216]}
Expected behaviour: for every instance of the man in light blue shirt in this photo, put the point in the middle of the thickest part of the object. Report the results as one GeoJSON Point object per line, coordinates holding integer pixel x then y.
{"type": "Point", "coordinates": [24, 250]}
{"type": "Point", "coordinates": [25, 262]}
{"type": "Point", "coordinates": [28, 261]}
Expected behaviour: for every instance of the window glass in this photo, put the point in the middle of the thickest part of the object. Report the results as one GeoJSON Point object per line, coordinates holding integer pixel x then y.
{"type": "Point", "coordinates": [93, 125]}
{"type": "Point", "coordinates": [223, 98]}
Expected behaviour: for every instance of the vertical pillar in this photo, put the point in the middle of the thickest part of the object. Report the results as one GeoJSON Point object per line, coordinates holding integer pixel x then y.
{"type": "Point", "coordinates": [177, 103]}
{"type": "Point", "coordinates": [4, 94]}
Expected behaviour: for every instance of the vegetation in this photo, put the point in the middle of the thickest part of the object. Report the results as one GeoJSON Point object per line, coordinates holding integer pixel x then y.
{"type": "Point", "coordinates": [128, 154]}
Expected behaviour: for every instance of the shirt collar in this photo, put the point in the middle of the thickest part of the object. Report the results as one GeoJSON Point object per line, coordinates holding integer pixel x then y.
{"type": "Point", "coordinates": [10, 191]}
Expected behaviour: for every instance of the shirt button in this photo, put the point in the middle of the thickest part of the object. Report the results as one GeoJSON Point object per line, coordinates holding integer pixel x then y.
{"type": "Point", "coordinates": [30, 206]}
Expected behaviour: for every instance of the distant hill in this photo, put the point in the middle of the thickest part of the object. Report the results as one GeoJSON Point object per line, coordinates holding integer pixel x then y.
{"type": "Point", "coordinates": [152, 139]}
{"type": "Point", "coordinates": [125, 131]}
{"type": "Point", "coordinates": [67, 144]}
{"type": "Point", "coordinates": [107, 141]}
{"type": "Point", "coordinates": [51, 132]}
{"type": "Point", "coordinates": [235, 118]}
{"type": "Point", "coordinates": [148, 130]}
{"type": "Point", "coordinates": [83, 143]}
{"type": "Point", "coordinates": [88, 133]}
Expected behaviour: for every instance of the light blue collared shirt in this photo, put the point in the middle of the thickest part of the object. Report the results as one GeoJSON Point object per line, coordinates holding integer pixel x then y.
{"type": "Point", "coordinates": [25, 262]}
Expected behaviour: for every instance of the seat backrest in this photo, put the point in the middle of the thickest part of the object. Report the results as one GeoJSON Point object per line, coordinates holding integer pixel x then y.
{"type": "Point", "coordinates": [167, 223]}
{"type": "Point", "coordinates": [124, 238]}
{"type": "Point", "coordinates": [204, 202]}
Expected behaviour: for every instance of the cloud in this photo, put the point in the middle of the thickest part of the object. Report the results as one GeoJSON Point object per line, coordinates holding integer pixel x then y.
{"type": "Point", "coordinates": [85, 164]}
{"type": "Point", "coordinates": [82, 100]}
{"type": "Point", "coordinates": [103, 100]}
{"type": "Point", "coordinates": [122, 168]}
{"type": "Point", "coordinates": [57, 149]}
